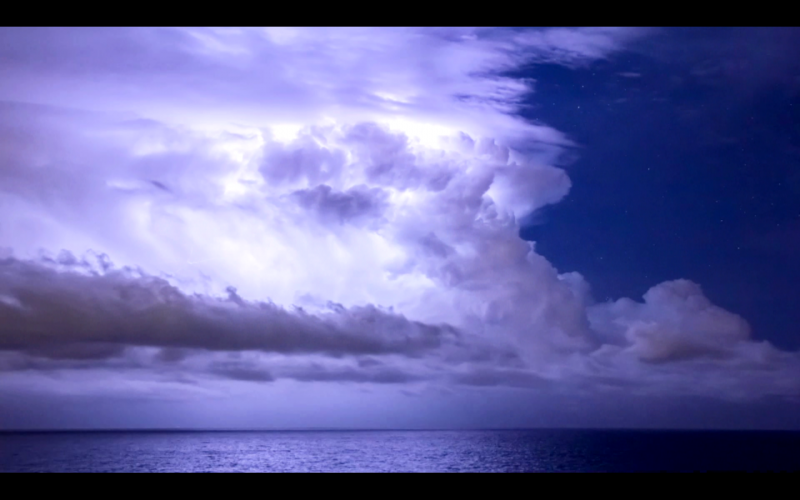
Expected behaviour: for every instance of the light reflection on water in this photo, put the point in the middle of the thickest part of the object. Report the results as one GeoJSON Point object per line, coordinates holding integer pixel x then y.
{"type": "Point", "coordinates": [398, 451]}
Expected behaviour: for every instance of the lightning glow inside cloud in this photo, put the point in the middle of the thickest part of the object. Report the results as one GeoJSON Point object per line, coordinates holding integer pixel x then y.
{"type": "Point", "coordinates": [319, 207]}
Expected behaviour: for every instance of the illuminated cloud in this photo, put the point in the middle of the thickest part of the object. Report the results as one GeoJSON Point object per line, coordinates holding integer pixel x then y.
{"type": "Point", "coordinates": [317, 205]}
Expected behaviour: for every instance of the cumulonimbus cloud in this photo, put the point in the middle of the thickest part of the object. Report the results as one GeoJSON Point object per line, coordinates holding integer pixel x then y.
{"type": "Point", "coordinates": [366, 202]}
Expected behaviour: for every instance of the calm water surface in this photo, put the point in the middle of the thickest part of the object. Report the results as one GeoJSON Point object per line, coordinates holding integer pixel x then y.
{"type": "Point", "coordinates": [399, 451]}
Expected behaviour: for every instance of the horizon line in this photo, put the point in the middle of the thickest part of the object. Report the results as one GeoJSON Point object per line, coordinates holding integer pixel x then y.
{"type": "Point", "coordinates": [345, 429]}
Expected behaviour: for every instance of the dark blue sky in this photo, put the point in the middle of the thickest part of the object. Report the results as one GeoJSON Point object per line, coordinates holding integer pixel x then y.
{"type": "Point", "coordinates": [688, 167]}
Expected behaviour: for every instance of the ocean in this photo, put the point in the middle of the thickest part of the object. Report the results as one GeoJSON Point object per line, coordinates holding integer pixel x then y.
{"type": "Point", "coordinates": [400, 451]}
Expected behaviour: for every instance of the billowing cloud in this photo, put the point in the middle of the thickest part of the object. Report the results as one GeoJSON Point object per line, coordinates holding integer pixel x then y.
{"type": "Point", "coordinates": [676, 321]}
{"type": "Point", "coordinates": [318, 206]}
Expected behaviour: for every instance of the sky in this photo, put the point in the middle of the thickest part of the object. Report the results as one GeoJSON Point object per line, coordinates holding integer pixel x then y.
{"type": "Point", "coordinates": [290, 228]}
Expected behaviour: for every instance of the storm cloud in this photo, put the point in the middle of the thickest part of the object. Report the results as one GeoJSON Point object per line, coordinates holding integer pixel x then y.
{"type": "Point", "coordinates": [332, 206]}
{"type": "Point", "coordinates": [69, 312]}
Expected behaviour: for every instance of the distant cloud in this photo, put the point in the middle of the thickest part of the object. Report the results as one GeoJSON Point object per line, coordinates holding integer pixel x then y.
{"type": "Point", "coordinates": [675, 322]}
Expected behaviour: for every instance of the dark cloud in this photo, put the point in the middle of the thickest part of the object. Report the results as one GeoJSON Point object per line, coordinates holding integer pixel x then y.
{"type": "Point", "coordinates": [62, 312]}
{"type": "Point", "coordinates": [357, 203]}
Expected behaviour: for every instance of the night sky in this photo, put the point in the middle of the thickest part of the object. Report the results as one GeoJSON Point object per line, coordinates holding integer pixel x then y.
{"type": "Point", "coordinates": [399, 228]}
{"type": "Point", "coordinates": [689, 166]}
